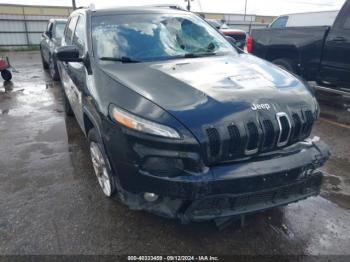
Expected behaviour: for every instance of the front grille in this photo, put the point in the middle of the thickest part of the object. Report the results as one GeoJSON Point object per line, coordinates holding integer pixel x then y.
{"type": "Point", "coordinates": [241, 139]}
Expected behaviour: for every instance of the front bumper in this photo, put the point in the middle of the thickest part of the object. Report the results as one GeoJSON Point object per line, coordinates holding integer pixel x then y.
{"type": "Point", "coordinates": [229, 189]}
{"type": "Point", "coordinates": [231, 205]}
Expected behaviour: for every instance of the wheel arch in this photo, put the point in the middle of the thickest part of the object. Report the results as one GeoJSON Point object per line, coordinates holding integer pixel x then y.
{"type": "Point", "coordinates": [287, 53]}
{"type": "Point", "coordinates": [89, 123]}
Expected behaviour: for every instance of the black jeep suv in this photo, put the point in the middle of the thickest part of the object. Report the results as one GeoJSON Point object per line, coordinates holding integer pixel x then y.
{"type": "Point", "coordinates": [180, 122]}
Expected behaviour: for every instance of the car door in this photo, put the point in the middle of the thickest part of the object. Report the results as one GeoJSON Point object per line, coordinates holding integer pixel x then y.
{"type": "Point", "coordinates": [63, 66]}
{"type": "Point", "coordinates": [77, 70]}
{"type": "Point", "coordinates": [45, 47]}
{"type": "Point", "coordinates": [335, 65]}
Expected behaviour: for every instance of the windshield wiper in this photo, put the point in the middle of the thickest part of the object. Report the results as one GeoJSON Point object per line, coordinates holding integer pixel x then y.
{"type": "Point", "coordinates": [201, 54]}
{"type": "Point", "coordinates": [123, 59]}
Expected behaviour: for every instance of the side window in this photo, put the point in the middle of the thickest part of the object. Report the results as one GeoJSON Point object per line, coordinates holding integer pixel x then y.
{"type": "Point", "coordinates": [70, 29]}
{"type": "Point", "coordinates": [280, 22]}
{"type": "Point", "coordinates": [79, 35]}
{"type": "Point", "coordinates": [59, 30]}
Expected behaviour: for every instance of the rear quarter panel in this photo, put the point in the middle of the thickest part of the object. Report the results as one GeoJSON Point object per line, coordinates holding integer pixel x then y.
{"type": "Point", "coordinates": [302, 45]}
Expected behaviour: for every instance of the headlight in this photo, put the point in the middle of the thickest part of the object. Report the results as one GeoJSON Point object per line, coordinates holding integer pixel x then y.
{"type": "Point", "coordinates": [137, 123]}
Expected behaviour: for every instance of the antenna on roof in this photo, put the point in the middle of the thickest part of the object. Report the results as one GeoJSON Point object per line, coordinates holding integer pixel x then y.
{"type": "Point", "coordinates": [189, 4]}
{"type": "Point", "coordinates": [92, 7]}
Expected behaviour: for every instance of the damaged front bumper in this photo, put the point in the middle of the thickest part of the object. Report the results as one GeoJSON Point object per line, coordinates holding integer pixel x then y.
{"type": "Point", "coordinates": [236, 188]}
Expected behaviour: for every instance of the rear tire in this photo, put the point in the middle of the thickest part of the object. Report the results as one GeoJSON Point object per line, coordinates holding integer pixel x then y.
{"type": "Point", "coordinates": [102, 171]}
{"type": "Point", "coordinates": [66, 105]}
{"type": "Point", "coordinates": [53, 69]}
{"type": "Point", "coordinates": [6, 75]}
{"type": "Point", "coordinates": [45, 65]}
{"type": "Point", "coordinates": [285, 64]}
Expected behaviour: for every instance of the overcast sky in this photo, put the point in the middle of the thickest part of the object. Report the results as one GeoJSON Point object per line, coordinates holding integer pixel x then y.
{"type": "Point", "coordinates": [262, 7]}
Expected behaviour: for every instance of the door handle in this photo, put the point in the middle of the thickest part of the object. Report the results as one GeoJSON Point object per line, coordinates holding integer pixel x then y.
{"type": "Point", "coordinates": [75, 91]}
{"type": "Point", "coordinates": [338, 39]}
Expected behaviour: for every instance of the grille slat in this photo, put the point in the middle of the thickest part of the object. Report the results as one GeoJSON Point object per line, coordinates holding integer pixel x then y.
{"type": "Point", "coordinates": [297, 126]}
{"type": "Point", "coordinates": [309, 121]}
{"type": "Point", "coordinates": [253, 136]}
{"type": "Point", "coordinates": [235, 139]}
{"type": "Point", "coordinates": [214, 141]}
{"type": "Point", "coordinates": [285, 129]}
{"type": "Point", "coordinates": [269, 133]}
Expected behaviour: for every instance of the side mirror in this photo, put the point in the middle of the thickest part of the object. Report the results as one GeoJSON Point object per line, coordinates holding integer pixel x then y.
{"type": "Point", "coordinates": [68, 53]}
{"type": "Point", "coordinates": [232, 41]}
{"type": "Point", "coordinates": [48, 34]}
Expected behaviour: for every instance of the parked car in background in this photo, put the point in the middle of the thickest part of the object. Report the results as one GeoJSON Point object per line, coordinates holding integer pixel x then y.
{"type": "Point", "coordinates": [182, 124]}
{"type": "Point", "coordinates": [5, 68]}
{"type": "Point", "coordinates": [323, 18]}
{"type": "Point", "coordinates": [239, 36]}
{"type": "Point", "coordinates": [217, 23]}
{"type": "Point", "coordinates": [51, 39]}
{"type": "Point", "coordinates": [317, 53]}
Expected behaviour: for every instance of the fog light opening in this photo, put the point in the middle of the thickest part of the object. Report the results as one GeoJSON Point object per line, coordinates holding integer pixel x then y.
{"type": "Point", "coordinates": [150, 197]}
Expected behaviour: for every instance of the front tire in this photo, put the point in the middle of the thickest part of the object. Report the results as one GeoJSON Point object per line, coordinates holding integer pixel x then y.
{"type": "Point", "coordinates": [102, 171]}
{"type": "Point", "coordinates": [45, 65]}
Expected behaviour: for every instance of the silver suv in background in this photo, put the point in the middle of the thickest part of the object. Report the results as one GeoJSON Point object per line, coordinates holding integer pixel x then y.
{"type": "Point", "coordinates": [51, 39]}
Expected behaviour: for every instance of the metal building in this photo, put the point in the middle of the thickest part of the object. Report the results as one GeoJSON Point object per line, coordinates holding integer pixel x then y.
{"type": "Point", "coordinates": [240, 21]}
{"type": "Point", "coordinates": [22, 25]}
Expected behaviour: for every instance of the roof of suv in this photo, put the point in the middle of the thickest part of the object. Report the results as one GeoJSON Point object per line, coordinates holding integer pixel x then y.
{"type": "Point", "coordinates": [58, 20]}
{"type": "Point", "coordinates": [138, 10]}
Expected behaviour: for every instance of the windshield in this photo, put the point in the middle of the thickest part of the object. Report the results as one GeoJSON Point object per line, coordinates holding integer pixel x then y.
{"type": "Point", "coordinates": [155, 37]}
{"type": "Point", "coordinates": [59, 29]}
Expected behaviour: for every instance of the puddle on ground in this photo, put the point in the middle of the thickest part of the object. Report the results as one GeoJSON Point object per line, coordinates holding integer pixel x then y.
{"type": "Point", "coordinates": [336, 187]}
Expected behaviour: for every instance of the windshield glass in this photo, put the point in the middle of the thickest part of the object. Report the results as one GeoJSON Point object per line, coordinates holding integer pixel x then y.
{"type": "Point", "coordinates": [155, 37]}
{"type": "Point", "coordinates": [59, 29]}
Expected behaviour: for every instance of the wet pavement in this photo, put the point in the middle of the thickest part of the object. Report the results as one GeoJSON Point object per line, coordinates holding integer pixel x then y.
{"type": "Point", "coordinates": [50, 201]}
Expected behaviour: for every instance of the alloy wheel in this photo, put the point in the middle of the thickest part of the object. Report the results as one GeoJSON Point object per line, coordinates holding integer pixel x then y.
{"type": "Point", "coordinates": [100, 169]}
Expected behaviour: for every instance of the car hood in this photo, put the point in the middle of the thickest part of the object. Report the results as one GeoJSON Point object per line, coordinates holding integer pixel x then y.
{"type": "Point", "coordinates": [206, 91]}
